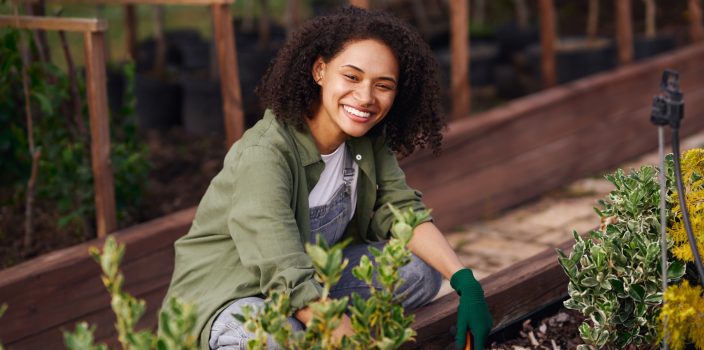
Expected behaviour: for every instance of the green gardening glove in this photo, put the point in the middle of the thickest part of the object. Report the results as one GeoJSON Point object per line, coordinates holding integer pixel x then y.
{"type": "Point", "coordinates": [472, 313]}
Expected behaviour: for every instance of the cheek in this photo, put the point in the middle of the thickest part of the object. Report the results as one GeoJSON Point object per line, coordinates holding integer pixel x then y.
{"type": "Point", "coordinates": [388, 101]}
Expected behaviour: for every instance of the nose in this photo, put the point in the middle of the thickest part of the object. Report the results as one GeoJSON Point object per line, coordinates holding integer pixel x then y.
{"type": "Point", "coordinates": [364, 94]}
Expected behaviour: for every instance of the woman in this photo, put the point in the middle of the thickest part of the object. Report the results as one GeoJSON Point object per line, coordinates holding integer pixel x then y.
{"type": "Point", "coordinates": [344, 93]}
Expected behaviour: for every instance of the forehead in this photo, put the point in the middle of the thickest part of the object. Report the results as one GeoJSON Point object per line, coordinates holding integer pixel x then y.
{"type": "Point", "coordinates": [370, 55]}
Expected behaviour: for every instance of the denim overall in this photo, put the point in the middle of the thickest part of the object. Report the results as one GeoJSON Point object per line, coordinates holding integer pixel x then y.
{"type": "Point", "coordinates": [329, 221]}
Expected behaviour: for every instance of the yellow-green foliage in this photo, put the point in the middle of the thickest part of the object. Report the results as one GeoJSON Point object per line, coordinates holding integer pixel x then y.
{"type": "Point", "coordinates": [684, 310]}
{"type": "Point", "coordinates": [693, 181]}
{"type": "Point", "coordinates": [177, 318]}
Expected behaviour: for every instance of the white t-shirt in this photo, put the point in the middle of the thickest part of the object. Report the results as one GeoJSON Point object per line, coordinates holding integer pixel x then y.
{"type": "Point", "coordinates": [332, 178]}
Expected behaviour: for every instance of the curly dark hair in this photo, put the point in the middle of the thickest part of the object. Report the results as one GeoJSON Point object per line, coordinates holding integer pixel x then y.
{"type": "Point", "coordinates": [414, 120]}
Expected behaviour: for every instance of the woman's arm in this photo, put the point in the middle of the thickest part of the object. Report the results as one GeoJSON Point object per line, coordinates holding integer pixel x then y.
{"type": "Point", "coordinates": [429, 244]}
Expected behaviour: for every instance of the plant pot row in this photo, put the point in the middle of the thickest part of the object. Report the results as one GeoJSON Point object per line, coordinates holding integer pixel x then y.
{"type": "Point", "coordinates": [512, 62]}
{"type": "Point", "coordinates": [187, 94]}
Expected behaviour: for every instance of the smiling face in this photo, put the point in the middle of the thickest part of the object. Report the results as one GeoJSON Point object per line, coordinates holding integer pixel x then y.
{"type": "Point", "coordinates": [357, 90]}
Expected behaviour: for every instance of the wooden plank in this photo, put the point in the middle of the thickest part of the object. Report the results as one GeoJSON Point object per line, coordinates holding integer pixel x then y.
{"type": "Point", "coordinates": [106, 220]}
{"type": "Point", "coordinates": [131, 31]}
{"type": "Point", "coordinates": [364, 4]}
{"type": "Point", "coordinates": [63, 287]}
{"type": "Point", "coordinates": [624, 31]}
{"type": "Point", "coordinates": [459, 46]}
{"type": "Point", "coordinates": [548, 39]}
{"type": "Point", "coordinates": [229, 74]}
{"type": "Point", "coordinates": [511, 293]}
{"type": "Point", "coordinates": [49, 23]}
{"type": "Point", "coordinates": [138, 2]}
{"type": "Point", "coordinates": [483, 152]}
{"type": "Point", "coordinates": [696, 29]}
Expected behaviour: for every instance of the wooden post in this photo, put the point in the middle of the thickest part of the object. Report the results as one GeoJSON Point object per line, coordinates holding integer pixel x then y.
{"type": "Point", "coordinates": [229, 74]}
{"type": "Point", "coordinates": [696, 31]}
{"type": "Point", "coordinates": [624, 31]}
{"type": "Point", "coordinates": [547, 42]}
{"type": "Point", "coordinates": [131, 31]}
{"type": "Point", "coordinates": [93, 43]}
{"type": "Point", "coordinates": [459, 46]}
{"type": "Point", "coordinates": [364, 4]}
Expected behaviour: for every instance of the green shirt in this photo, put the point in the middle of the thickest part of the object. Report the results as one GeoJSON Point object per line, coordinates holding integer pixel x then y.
{"type": "Point", "coordinates": [249, 231]}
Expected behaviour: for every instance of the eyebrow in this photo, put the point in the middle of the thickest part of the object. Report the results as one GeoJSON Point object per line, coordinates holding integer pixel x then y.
{"type": "Point", "coordinates": [360, 69]}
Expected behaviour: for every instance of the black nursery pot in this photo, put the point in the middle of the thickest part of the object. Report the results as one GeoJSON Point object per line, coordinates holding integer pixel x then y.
{"type": "Point", "coordinates": [202, 106]}
{"type": "Point", "coordinates": [482, 56]}
{"type": "Point", "coordinates": [115, 89]}
{"type": "Point", "coordinates": [186, 50]}
{"type": "Point", "coordinates": [158, 102]}
{"type": "Point", "coordinates": [645, 47]}
{"type": "Point", "coordinates": [576, 58]}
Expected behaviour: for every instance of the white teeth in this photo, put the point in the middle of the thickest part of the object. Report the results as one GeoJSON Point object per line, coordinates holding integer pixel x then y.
{"type": "Point", "coordinates": [357, 112]}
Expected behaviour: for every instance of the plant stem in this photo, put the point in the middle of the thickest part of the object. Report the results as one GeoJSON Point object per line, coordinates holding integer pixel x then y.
{"type": "Point", "coordinates": [29, 198]}
{"type": "Point", "coordinates": [73, 87]}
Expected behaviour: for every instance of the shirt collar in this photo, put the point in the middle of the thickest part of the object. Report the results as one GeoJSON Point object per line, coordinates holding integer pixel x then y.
{"type": "Point", "coordinates": [360, 147]}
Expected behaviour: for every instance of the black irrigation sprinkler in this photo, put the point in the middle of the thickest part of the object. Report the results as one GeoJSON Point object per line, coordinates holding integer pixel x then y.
{"type": "Point", "coordinates": [668, 108]}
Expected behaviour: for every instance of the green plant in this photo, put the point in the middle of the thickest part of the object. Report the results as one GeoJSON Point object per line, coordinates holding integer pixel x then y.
{"type": "Point", "coordinates": [59, 127]}
{"type": "Point", "coordinates": [379, 321]}
{"type": "Point", "coordinates": [177, 318]}
{"type": "Point", "coordinates": [614, 274]}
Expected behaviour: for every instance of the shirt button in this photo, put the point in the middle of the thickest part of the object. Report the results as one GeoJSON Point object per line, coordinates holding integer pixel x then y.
{"type": "Point", "coordinates": [358, 157]}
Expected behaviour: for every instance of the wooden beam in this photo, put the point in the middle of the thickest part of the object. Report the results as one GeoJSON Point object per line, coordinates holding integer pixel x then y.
{"type": "Point", "coordinates": [100, 135]}
{"type": "Point", "coordinates": [138, 2]}
{"type": "Point", "coordinates": [49, 23]}
{"type": "Point", "coordinates": [459, 46]}
{"type": "Point", "coordinates": [624, 31]}
{"type": "Point", "coordinates": [511, 293]}
{"type": "Point", "coordinates": [548, 40]}
{"type": "Point", "coordinates": [364, 4]}
{"type": "Point", "coordinates": [696, 31]}
{"type": "Point", "coordinates": [131, 31]}
{"type": "Point", "coordinates": [229, 74]}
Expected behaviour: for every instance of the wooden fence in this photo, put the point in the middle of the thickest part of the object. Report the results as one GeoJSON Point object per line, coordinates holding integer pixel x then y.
{"type": "Point", "coordinates": [93, 43]}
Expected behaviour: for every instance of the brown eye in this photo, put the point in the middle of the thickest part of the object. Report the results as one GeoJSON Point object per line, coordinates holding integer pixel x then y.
{"type": "Point", "coordinates": [351, 77]}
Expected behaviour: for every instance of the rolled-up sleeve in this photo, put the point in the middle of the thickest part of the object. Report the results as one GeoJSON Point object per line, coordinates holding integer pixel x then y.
{"type": "Point", "coordinates": [263, 226]}
{"type": "Point", "coordinates": [392, 188]}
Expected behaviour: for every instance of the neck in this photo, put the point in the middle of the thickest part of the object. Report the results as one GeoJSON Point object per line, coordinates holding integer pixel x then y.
{"type": "Point", "coordinates": [326, 140]}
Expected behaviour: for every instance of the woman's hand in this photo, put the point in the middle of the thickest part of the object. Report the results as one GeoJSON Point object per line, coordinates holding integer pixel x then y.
{"type": "Point", "coordinates": [344, 329]}
{"type": "Point", "coordinates": [473, 312]}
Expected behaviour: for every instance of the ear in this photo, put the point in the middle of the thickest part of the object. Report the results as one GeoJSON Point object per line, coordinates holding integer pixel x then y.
{"type": "Point", "coordinates": [318, 70]}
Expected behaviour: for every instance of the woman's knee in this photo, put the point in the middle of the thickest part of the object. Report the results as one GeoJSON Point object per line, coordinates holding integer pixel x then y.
{"type": "Point", "coordinates": [421, 283]}
{"type": "Point", "coordinates": [227, 333]}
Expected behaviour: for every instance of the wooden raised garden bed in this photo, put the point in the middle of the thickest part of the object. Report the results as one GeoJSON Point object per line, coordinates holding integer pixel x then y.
{"type": "Point", "coordinates": [491, 162]}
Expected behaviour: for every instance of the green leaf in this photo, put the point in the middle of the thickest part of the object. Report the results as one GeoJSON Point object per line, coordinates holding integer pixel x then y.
{"type": "Point", "coordinates": [676, 270]}
{"type": "Point", "coordinates": [589, 282]}
{"type": "Point", "coordinates": [637, 292]}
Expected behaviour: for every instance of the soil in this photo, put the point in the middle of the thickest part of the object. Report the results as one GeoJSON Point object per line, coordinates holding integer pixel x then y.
{"type": "Point", "coordinates": [559, 330]}
{"type": "Point", "coordinates": [182, 166]}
